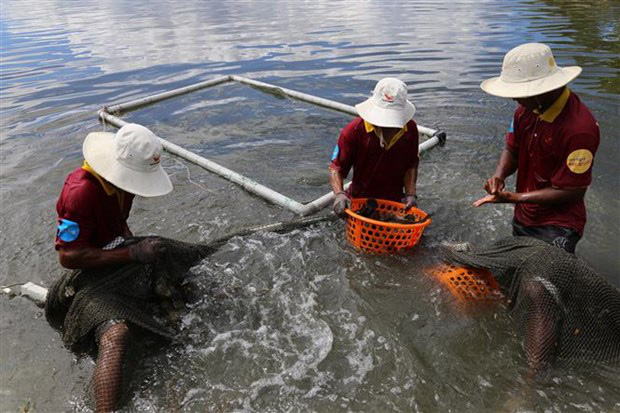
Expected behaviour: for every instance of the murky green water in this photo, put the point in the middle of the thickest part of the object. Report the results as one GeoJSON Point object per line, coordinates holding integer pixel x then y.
{"type": "Point", "coordinates": [312, 325]}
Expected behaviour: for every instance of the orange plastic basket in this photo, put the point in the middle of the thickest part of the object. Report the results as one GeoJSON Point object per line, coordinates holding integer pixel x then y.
{"type": "Point", "coordinates": [379, 237]}
{"type": "Point", "coordinates": [469, 284]}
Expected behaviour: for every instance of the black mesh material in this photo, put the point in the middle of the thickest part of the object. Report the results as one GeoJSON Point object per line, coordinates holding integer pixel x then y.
{"type": "Point", "coordinates": [563, 308]}
{"type": "Point", "coordinates": [108, 375]}
{"type": "Point", "coordinates": [143, 295]}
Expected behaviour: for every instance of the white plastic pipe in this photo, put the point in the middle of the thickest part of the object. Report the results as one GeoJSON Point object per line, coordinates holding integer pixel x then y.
{"type": "Point", "coordinates": [435, 138]}
{"type": "Point", "coordinates": [134, 104]}
{"type": "Point", "coordinates": [341, 107]}
{"type": "Point", "coordinates": [34, 292]}
{"type": "Point", "coordinates": [247, 183]}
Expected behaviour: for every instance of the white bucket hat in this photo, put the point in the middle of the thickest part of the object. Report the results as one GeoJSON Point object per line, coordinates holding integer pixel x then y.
{"type": "Point", "coordinates": [388, 106]}
{"type": "Point", "coordinates": [529, 70]}
{"type": "Point", "coordinates": [129, 159]}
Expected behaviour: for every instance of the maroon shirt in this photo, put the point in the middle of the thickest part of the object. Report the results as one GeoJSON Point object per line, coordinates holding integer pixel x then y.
{"type": "Point", "coordinates": [377, 172]}
{"type": "Point", "coordinates": [99, 215]}
{"type": "Point", "coordinates": [557, 153]}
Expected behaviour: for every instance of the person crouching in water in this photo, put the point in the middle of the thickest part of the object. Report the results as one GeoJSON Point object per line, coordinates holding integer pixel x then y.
{"type": "Point", "coordinates": [382, 148]}
{"type": "Point", "coordinates": [96, 306]}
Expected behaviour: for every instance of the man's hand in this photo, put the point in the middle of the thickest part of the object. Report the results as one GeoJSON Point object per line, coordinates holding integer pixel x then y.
{"type": "Point", "coordinates": [147, 250]}
{"type": "Point", "coordinates": [501, 197]}
{"type": "Point", "coordinates": [410, 201]}
{"type": "Point", "coordinates": [341, 202]}
{"type": "Point", "coordinates": [494, 185]}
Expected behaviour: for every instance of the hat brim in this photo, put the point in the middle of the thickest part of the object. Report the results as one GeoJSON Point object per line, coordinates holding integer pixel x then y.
{"type": "Point", "coordinates": [98, 152]}
{"type": "Point", "coordinates": [382, 117]}
{"type": "Point", "coordinates": [497, 87]}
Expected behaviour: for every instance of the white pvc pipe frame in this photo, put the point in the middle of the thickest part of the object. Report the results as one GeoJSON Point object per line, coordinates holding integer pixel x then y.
{"type": "Point", "coordinates": [106, 114]}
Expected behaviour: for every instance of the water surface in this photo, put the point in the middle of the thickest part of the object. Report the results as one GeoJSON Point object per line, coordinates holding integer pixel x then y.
{"type": "Point", "coordinates": [310, 325]}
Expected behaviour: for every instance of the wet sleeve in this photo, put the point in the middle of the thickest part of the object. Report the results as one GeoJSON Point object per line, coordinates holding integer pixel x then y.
{"type": "Point", "coordinates": [575, 169]}
{"type": "Point", "coordinates": [76, 223]}
{"type": "Point", "coordinates": [344, 153]}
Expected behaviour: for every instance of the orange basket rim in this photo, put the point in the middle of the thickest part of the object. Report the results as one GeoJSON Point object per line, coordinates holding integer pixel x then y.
{"type": "Point", "coordinates": [389, 224]}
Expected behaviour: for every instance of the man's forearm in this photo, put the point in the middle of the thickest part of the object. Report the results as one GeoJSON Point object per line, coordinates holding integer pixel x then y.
{"type": "Point", "coordinates": [411, 177]}
{"type": "Point", "coordinates": [550, 196]}
{"type": "Point", "coordinates": [507, 165]}
{"type": "Point", "coordinates": [547, 196]}
{"type": "Point", "coordinates": [92, 257]}
{"type": "Point", "coordinates": [336, 180]}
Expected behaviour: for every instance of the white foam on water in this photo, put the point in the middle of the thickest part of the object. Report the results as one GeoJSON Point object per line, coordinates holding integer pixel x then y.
{"type": "Point", "coordinates": [280, 338]}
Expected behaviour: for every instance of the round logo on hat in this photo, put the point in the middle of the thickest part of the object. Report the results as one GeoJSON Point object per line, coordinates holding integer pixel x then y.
{"type": "Point", "coordinates": [388, 98]}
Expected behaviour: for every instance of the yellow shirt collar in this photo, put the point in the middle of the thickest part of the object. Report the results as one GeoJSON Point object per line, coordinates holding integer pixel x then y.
{"type": "Point", "coordinates": [371, 128]}
{"type": "Point", "coordinates": [554, 110]}
{"type": "Point", "coordinates": [107, 187]}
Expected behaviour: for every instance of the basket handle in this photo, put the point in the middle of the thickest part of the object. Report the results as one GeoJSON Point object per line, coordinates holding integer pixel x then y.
{"type": "Point", "coordinates": [426, 218]}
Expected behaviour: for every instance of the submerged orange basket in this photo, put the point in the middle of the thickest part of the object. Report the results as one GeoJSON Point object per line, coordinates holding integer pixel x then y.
{"type": "Point", "coordinates": [469, 284]}
{"type": "Point", "coordinates": [380, 237]}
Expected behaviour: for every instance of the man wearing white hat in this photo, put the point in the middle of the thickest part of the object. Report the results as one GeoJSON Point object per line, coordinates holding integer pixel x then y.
{"type": "Point", "coordinates": [382, 148]}
{"type": "Point", "coordinates": [96, 198]}
{"type": "Point", "coordinates": [551, 145]}
{"type": "Point", "coordinates": [92, 220]}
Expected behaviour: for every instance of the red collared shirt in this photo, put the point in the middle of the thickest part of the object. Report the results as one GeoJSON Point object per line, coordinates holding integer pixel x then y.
{"type": "Point", "coordinates": [378, 172]}
{"type": "Point", "coordinates": [99, 216]}
{"type": "Point", "coordinates": [555, 149]}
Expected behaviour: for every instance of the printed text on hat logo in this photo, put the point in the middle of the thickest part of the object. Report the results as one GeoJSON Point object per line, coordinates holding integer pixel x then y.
{"type": "Point", "coordinates": [388, 98]}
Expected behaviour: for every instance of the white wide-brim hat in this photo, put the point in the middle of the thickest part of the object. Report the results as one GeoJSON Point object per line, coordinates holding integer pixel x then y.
{"type": "Point", "coordinates": [129, 159]}
{"type": "Point", "coordinates": [388, 106]}
{"type": "Point", "coordinates": [529, 70]}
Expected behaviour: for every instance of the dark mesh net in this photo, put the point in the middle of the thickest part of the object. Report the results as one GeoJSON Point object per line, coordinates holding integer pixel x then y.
{"type": "Point", "coordinates": [564, 309]}
{"type": "Point", "coordinates": [95, 310]}
{"type": "Point", "coordinates": [108, 375]}
{"type": "Point", "coordinates": [143, 295]}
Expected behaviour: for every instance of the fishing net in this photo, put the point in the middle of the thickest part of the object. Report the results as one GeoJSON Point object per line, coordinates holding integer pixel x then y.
{"type": "Point", "coordinates": [145, 295]}
{"type": "Point", "coordinates": [98, 311]}
{"type": "Point", "coordinates": [563, 308]}
{"type": "Point", "coordinates": [108, 375]}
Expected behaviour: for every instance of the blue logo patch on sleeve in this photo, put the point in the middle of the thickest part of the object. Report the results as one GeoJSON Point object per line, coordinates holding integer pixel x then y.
{"type": "Point", "coordinates": [511, 129]}
{"type": "Point", "coordinates": [335, 153]}
{"type": "Point", "coordinates": [68, 230]}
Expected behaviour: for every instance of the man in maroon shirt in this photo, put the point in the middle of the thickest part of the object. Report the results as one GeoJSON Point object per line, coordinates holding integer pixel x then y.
{"type": "Point", "coordinates": [551, 144]}
{"type": "Point", "coordinates": [92, 222]}
{"type": "Point", "coordinates": [95, 201]}
{"type": "Point", "coordinates": [382, 148]}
